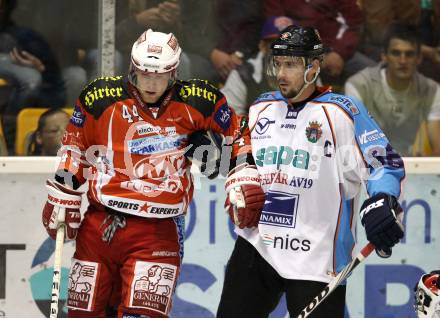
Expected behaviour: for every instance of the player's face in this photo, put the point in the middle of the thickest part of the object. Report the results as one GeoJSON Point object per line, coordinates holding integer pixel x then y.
{"type": "Point", "coordinates": [289, 72]}
{"type": "Point", "coordinates": [402, 59]}
{"type": "Point", "coordinates": [151, 86]}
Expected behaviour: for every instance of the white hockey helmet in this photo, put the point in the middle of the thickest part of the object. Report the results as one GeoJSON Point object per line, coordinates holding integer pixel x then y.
{"type": "Point", "coordinates": [155, 52]}
{"type": "Point", "coordinates": [427, 296]}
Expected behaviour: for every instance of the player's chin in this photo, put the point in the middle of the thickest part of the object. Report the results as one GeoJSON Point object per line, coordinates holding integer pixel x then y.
{"type": "Point", "coordinates": [150, 97]}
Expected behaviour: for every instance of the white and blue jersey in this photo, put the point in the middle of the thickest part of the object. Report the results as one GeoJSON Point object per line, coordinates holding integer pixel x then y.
{"type": "Point", "coordinates": [313, 161]}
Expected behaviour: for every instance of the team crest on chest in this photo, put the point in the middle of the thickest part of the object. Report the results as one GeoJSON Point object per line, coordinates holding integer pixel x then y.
{"type": "Point", "coordinates": [313, 131]}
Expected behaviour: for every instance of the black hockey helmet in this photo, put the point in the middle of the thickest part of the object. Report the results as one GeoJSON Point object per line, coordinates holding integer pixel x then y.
{"type": "Point", "coordinates": [297, 40]}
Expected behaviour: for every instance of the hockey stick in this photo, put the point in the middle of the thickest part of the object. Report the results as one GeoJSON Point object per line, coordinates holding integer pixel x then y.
{"type": "Point", "coordinates": [337, 280]}
{"type": "Point", "coordinates": [56, 280]}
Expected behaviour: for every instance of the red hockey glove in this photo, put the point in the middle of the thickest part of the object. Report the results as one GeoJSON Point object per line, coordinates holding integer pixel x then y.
{"type": "Point", "coordinates": [62, 206]}
{"type": "Point", "coordinates": [245, 197]}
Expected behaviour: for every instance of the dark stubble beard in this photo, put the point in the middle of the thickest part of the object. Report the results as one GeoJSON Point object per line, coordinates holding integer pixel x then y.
{"type": "Point", "coordinates": [291, 93]}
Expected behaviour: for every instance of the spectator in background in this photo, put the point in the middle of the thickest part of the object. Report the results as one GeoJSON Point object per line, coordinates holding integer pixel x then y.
{"type": "Point", "coordinates": [78, 49]}
{"type": "Point", "coordinates": [239, 24]}
{"type": "Point", "coordinates": [199, 35]}
{"type": "Point", "coordinates": [396, 95]}
{"type": "Point", "coordinates": [246, 83]}
{"type": "Point", "coordinates": [46, 140]}
{"type": "Point", "coordinates": [423, 14]}
{"type": "Point", "coordinates": [29, 64]}
{"type": "Point", "coordinates": [378, 15]}
{"type": "Point", "coordinates": [430, 29]}
{"type": "Point", "coordinates": [339, 23]}
{"type": "Point", "coordinates": [73, 35]}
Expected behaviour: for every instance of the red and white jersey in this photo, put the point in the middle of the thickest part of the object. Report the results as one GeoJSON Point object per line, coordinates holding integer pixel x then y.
{"type": "Point", "coordinates": [134, 159]}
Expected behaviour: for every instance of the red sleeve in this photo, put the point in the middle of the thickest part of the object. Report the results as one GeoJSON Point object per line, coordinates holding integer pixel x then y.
{"type": "Point", "coordinates": [225, 121]}
{"type": "Point", "coordinates": [210, 111]}
{"type": "Point", "coordinates": [76, 142]}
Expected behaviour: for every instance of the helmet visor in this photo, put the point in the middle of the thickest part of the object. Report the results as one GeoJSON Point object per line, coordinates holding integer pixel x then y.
{"type": "Point", "coordinates": [293, 65]}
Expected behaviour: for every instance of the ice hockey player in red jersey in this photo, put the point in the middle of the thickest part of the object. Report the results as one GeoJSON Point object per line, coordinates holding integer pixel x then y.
{"type": "Point", "coordinates": [128, 140]}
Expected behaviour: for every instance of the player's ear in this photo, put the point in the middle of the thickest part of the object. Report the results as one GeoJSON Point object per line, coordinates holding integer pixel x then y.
{"type": "Point", "coordinates": [38, 138]}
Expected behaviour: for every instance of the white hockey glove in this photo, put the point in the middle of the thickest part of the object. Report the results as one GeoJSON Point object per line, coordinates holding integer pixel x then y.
{"type": "Point", "coordinates": [62, 206]}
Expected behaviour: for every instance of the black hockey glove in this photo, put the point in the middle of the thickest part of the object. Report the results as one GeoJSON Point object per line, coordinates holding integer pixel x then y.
{"type": "Point", "coordinates": [205, 150]}
{"type": "Point", "coordinates": [379, 216]}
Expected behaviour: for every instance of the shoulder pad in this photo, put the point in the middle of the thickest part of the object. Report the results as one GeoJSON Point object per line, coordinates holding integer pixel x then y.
{"type": "Point", "coordinates": [343, 101]}
{"type": "Point", "coordinates": [200, 94]}
{"type": "Point", "coordinates": [269, 96]}
{"type": "Point", "coordinates": [101, 93]}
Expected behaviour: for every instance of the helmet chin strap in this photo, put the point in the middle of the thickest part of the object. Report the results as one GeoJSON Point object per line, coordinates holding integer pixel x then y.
{"type": "Point", "coordinates": [172, 79]}
{"type": "Point", "coordinates": [306, 82]}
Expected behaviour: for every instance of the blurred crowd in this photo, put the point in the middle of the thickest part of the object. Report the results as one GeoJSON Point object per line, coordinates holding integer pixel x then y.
{"type": "Point", "coordinates": [384, 52]}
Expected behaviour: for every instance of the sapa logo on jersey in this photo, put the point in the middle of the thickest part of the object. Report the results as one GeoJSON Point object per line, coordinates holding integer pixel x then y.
{"type": "Point", "coordinates": [287, 243]}
{"type": "Point", "coordinates": [283, 155]}
{"type": "Point", "coordinates": [369, 136]}
{"type": "Point", "coordinates": [280, 209]}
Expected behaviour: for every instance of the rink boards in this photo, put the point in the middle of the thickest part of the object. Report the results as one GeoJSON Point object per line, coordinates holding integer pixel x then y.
{"type": "Point", "coordinates": [378, 287]}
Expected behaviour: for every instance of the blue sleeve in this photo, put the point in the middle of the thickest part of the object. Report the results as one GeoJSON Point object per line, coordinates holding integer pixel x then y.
{"type": "Point", "coordinates": [384, 163]}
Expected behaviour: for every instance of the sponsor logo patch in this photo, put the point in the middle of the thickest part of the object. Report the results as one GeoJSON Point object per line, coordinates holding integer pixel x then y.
{"type": "Point", "coordinates": [97, 93]}
{"type": "Point", "coordinates": [286, 242]}
{"type": "Point", "coordinates": [194, 90]}
{"type": "Point", "coordinates": [280, 209]}
{"type": "Point", "coordinates": [173, 44]}
{"type": "Point", "coordinates": [134, 316]}
{"type": "Point", "coordinates": [263, 125]}
{"type": "Point", "coordinates": [291, 114]}
{"type": "Point", "coordinates": [346, 103]}
{"type": "Point", "coordinates": [123, 205]}
{"type": "Point", "coordinates": [313, 131]}
{"type": "Point", "coordinates": [78, 118]}
{"type": "Point", "coordinates": [288, 126]}
{"type": "Point", "coordinates": [81, 287]}
{"type": "Point", "coordinates": [160, 210]}
{"type": "Point", "coordinates": [155, 144]}
{"type": "Point", "coordinates": [152, 286]}
{"type": "Point", "coordinates": [154, 49]}
{"type": "Point", "coordinates": [369, 136]}
{"type": "Point", "coordinates": [147, 129]}
{"type": "Point", "coordinates": [164, 253]}
{"type": "Point", "coordinates": [223, 117]}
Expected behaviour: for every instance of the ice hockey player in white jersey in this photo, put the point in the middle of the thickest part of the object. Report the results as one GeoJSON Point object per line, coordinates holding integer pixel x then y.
{"type": "Point", "coordinates": [313, 152]}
